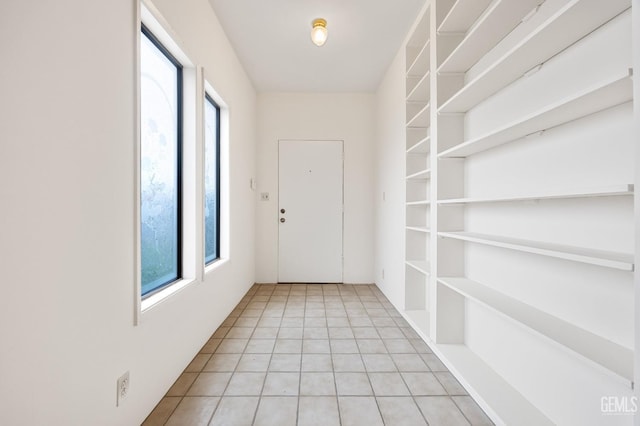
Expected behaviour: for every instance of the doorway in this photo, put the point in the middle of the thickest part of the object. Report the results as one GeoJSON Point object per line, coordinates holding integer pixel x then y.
{"type": "Point", "coordinates": [310, 211]}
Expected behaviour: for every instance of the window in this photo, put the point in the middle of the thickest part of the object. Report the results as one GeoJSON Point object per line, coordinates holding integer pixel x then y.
{"type": "Point", "coordinates": [160, 166]}
{"type": "Point", "coordinates": [211, 180]}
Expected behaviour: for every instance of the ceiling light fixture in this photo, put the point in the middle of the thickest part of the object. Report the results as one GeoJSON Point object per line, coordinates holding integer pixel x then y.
{"type": "Point", "coordinates": [319, 32]}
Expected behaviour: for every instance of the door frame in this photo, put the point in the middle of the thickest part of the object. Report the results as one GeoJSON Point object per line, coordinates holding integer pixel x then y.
{"type": "Point", "coordinates": [278, 204]}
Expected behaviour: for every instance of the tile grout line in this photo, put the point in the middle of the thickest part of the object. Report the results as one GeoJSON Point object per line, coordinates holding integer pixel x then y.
{"type": "Point", "coordinates": [224, 391]}
{"type": "Point", "coordinates": [333, 370]}
{"type": "Point", "coordinates": [255, 413]}
{"type": "Point", "coordinates": [172, 411]}
{"type": "Point", "coordinates": [304, 319]}
{"type": "Point", "coordinates": [373, 392]}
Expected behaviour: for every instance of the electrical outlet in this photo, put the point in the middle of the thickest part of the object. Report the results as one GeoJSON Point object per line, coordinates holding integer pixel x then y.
{"type": "Point", "coordinates": [123, 388]}
{"type": "Point", "coordinates": [383, 273]}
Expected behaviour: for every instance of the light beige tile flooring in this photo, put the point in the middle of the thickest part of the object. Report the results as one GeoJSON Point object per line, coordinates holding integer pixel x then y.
{"type": "Point", "coordinates": [316, 354]}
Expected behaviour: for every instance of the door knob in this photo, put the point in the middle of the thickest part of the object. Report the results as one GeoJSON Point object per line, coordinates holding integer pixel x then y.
{"type": "Point", "coordinates": [282, 211]}
{"type": "Point", "coordinates": [282, 220]}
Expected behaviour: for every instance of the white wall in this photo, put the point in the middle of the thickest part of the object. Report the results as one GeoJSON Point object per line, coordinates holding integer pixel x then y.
{"type": "Point", "coordinates": [390, 178]}
{"type": "Point", "coordinates": [348, 117]}
{"type": "Point", "coordinates": [67, 137]}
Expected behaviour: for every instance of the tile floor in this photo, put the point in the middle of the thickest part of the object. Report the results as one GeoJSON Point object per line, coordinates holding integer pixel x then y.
{"type": "Point", "coordinates": [316, 354]}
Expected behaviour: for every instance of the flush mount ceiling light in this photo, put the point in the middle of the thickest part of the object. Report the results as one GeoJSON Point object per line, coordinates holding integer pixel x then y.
{"type": "Point", "coordinates": [319, 32]}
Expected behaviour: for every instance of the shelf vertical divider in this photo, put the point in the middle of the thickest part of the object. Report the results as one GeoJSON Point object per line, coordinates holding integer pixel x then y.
{"type": "Point", "coordinates": [417, 78]}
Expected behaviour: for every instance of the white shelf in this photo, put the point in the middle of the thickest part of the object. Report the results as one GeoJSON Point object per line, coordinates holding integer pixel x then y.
{"type": "Point", "coordinates": [413, 108]}
{"type": "Point", "coordinates": [612, 92]}
{"type": "Point", "coordinates": [462, 15]}
{"type": "Point", "coordinates": [421, 147]}
{"type": "Point", "coordinates": [418, 203]}
{"type": "Point", "coordinates": [496, 22]}
{"type": "Point", "coordinates": [572, 22]}
{"type": "Point", "coordinates": [417, 41]}
{"type": "Point", "coordinates": [606, 259]}
{"type": "Point", "coordinates": [420, 266]}
{"type": "Point", "coordinates": [411, 83]}
{"type": "Point", "coordinates": [416, 136]}
{"type": "Point", "coordinates": [600, 350]}
{"type": "Point", "coordinates": [492, 392]}
{"type": "Point", "coordinates": [603, 191]}
{"type": "Point", "coordinates": [419, 319]}
{"type": "Point", "coordinates": [421, 119]}
{"type": "Point", "coordinates": [419, 229]}
{"type": "Point", "coordinates": [421, 175]}
{"type": "Point", "coordinates": [417, 143]}
{"type": "Point", "coordinates": [420, 92]}
{"type": "Point", "coordinates": [420, 65]}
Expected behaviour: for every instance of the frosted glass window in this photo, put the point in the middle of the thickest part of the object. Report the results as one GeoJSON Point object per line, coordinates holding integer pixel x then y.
{"type": "Point", "coordinates": [212, 180]}
{"type": "Point", "coordinates": [160, 126]}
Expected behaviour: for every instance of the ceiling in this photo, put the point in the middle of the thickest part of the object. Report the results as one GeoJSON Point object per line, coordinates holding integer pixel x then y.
{"type": "Point", "coordinates": [272, 40]}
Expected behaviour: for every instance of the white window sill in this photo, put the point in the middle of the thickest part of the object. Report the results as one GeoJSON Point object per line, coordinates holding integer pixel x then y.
{"type": "Point", "coordinates": [155, 299]}
{"type": "Point", "coordinates": [215, 265]}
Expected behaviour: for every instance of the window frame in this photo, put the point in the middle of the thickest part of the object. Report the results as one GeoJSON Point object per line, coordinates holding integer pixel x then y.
{"type": "Point", "coordinates": [209, 261]}
{"type": "Point", "coordinates": [146, 32]}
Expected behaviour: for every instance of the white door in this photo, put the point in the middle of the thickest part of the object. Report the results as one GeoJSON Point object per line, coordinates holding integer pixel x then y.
{"type": "Point", "coordinates": [310, 212]}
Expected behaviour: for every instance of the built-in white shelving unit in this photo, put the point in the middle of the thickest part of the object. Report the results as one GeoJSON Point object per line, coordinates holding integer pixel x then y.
{"type": "Point", "coordinates": [504, 402]}
{"type": "Point", "coordinates": [608, 354]}
{"type": "Point", "coordinates": [462, 15]}
{"type": "Point", "coordinates": [612, 92]}
{"type": "Point", "coordinates": [519, 227]}
{"type": "Point", "coordinates": [567, 25]}
{"type": "Point", "coordinates": [500, 18]}
{"type": "Point", "coordinates": [418, 172]}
